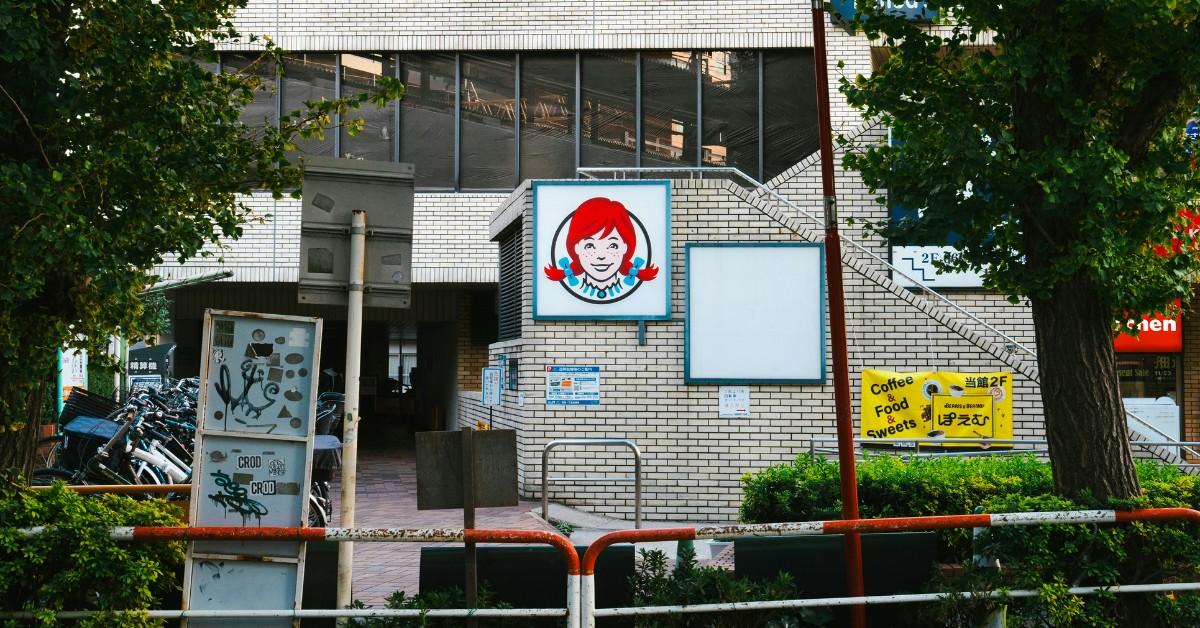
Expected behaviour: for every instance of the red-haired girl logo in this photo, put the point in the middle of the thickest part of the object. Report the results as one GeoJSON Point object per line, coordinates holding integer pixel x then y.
{"type": "Point", "coordinates": [604, 255]}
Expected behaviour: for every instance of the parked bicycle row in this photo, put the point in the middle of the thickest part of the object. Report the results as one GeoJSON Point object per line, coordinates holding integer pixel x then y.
{"type": "Point", "coordinates": [150, 439]}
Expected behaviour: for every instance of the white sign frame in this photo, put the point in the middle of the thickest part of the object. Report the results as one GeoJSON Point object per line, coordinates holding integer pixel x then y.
{"type": "Point", "coordinates": [297, 440]}
{"type": "Point", "coordinates": [492, 377]}
{"type": "Point", "coordinates": [741, 327]}
{"type": "Point", "coordinates": [648, 206]}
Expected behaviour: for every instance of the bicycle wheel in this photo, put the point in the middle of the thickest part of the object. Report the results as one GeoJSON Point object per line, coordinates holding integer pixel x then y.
{"type": "Point", "coordinates": [317, 517]}
{"type": "Point", "coordinates": [147, 474]}
{"type": "Point", "coordinates": [46, 476]}
{"type": "Point", "coordinates": [49, 450]}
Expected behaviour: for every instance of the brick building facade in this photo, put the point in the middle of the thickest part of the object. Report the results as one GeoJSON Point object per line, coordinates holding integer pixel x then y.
{"type": "Point", "coordinates": [694, 459]}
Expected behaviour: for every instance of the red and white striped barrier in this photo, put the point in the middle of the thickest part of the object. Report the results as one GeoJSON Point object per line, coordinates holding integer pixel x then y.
{"type": "Point", "coordinates": [369, 535]}
{"type": "Point", "coordinates": [581, 609]}
{"type": "Point", "coordinates": [842, 526]}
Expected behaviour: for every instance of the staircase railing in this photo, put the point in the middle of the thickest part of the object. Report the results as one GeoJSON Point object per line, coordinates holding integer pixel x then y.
{"type": "Point", "coordinates": [1011, 343]}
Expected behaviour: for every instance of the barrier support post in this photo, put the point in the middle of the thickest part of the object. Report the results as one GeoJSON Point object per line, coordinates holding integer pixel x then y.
{"type": "Point", "coordinates": [852, 542]}
{"type": "Point", "coordinates": [581, 601]}
{"type": "Point", "coordinates": [469, 555]}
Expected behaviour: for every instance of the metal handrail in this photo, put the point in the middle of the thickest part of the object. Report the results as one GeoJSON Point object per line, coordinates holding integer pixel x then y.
{"type": "Point", "coordinates": [122, 489]}
{"type": "Point", "coordinates": [1010, 342]}
{"type": "Point", "coordinates": [915, 444]}
{"type": "Point", "coordinates": [637, 472]}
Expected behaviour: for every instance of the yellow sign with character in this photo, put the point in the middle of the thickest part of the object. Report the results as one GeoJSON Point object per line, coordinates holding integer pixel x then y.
{"type": "Point", "coordinates": [937, 404]}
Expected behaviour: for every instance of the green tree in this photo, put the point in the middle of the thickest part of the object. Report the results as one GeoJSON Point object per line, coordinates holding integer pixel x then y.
{"type": "Point", "coordinates": [1049, 134]}
{"type": "Point", "coordinates": [118, 148]}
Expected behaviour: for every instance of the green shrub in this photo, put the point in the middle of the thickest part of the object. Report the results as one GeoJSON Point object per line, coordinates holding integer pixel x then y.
{"type": "Point", "coordinates": [654, 585]}
{"type": "Point", "coordinates": [74, 565]}
{"type": "Point", "coordinates": [451, 597]}
{"type": "Point", "coordinates": [809, 490]}
{"type": "Point", "coordinates": [1049, 559]}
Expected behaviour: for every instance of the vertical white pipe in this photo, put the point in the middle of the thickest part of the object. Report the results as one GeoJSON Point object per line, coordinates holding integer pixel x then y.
{"type": "Point", "coordinates": [358, 254]}
{"type": "Point", "coordinates": [573, 601]}
{"type": "Point", "coordinates": [587, 598]}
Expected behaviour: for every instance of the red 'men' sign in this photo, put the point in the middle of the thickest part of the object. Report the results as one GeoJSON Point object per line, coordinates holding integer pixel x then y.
{"type": "Point", "coordinates": [1156, 334]}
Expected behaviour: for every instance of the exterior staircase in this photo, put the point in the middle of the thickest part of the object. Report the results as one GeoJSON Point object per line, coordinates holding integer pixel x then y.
{"type": "Point", "coordinates": [861, 260]}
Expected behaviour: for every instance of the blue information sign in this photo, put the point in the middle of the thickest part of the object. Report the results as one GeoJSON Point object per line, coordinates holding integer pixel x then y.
{"type": "Point", "coordinates": [572, 385]}
{"type": "Point", "coordinates": [842, 12]}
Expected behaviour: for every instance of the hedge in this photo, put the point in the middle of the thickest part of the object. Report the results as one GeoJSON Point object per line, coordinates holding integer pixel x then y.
{"type": "Point", "coordinates": [1049, 559]}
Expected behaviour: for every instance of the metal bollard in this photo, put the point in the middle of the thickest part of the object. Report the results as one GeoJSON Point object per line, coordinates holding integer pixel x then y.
{"type": "Point", "coordinates": [587, 599]}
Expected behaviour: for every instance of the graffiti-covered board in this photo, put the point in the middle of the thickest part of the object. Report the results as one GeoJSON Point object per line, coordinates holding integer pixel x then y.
{"type": "Point", "coordinates": [602, 250]}
{"type": "Point", "coordinates": [253, 458]}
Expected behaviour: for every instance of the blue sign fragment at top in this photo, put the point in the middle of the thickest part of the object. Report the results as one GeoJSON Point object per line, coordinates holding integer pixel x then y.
{"type": "Point", "coordinates": [842, 12]}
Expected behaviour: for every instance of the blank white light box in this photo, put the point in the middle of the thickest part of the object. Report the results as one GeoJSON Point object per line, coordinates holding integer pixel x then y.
{"type": "Point", "coordinates": [755, 313]}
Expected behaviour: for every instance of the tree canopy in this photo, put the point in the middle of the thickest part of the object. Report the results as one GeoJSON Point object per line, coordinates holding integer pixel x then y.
{"type": "Point", "coordinates": [1049, 135]}
{"type": "Point", "coordinates": [120, 146]}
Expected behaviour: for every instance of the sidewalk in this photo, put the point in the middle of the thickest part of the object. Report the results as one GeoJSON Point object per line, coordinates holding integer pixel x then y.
{"type": "Point", "coordinates": [387, 498]}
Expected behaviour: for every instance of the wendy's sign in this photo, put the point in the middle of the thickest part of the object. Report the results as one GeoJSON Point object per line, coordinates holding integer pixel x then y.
{"type": "Point", "coordinates": [602, 250]}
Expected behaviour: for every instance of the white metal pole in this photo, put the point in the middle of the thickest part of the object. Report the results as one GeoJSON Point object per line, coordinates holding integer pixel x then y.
{"type": "Point", "coordinates": [587, 600]}
{"type": "Point", "coordinates": [574, 616]}
{"type": "Point", "coordinates": [358, 255]}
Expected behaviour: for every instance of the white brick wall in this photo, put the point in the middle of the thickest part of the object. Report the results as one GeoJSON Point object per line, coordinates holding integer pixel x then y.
{"type": "Point", "coordinates": [529, 25]}
{"type": "Point", "coordinates": [450, 242]}
{"type": "Point", "coordinates": [694, 459]}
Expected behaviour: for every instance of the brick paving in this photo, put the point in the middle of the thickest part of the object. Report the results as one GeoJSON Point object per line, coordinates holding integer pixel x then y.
{"type": "Point", "coordinates": [387, 497]}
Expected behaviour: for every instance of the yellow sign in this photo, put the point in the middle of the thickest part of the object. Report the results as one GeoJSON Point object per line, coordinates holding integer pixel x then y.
{"type": "Point", "coordinates": [936, 405]}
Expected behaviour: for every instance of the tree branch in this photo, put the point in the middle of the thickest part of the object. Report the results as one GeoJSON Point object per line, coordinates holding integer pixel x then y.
{"type": "Point", "coordinates": [29, 126]}
{"type": "Point", "coordinates": [1142, 121]}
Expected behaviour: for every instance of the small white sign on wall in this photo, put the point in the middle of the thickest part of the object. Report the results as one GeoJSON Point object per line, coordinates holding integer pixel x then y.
{"type": "Point", "coordinates": [920, 263]}
{"type": "Point", "coordinates": [734, 401]}
{"type": "Point", "coordinates": [601, 250]}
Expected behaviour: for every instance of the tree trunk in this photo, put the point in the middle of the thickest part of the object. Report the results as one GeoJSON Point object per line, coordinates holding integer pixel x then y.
{"type": "Point", "coordinates": [18, 439]}
{"type": "Point", "coordinates": [1085, 418]}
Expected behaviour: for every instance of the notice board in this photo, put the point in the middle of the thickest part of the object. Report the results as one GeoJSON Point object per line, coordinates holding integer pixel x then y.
{"type": "Point", "coordinates": [755, 313]}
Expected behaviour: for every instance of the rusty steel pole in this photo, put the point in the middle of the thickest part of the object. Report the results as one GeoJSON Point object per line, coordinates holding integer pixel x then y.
{"type": "Point", "coordinates": [837, 323]}
{"type": "Point", "coordinates": [354, 320]}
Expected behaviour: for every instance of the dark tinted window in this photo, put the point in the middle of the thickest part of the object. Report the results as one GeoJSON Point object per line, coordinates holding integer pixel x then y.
{"type": "Point", "coordinates": [511, 272]}
{"type": "Point", "coordinates": [729, 84]}
{"type": "Point", "coordinates": [547, 116]}
{"type": "Point", "coordinates": [427, 118]}
{"type": "Point", "coordinates": [309, 77]}
{"type": "Point", "coordinates": [789, 110]}
{"type": "Point", "coordinates": [488, 121]}
{"type": "Point", "coordinates": [360, 74]}
{"type": "Point", "coordinates": [669, 109]}
{"type": "Point", "coordinates": [260, 112]}
{"type": "Point", "coordinates": [607, 111]}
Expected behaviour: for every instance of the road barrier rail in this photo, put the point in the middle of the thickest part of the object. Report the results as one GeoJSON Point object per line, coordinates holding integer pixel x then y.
{"type": "Point", "coordinates": [580, 610]}
{"type": "Point", "coordinates": [840, 526]}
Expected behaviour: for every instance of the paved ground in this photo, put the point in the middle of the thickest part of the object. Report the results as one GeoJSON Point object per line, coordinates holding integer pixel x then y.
{"type": "Point", "coordinates": [387, 497]}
